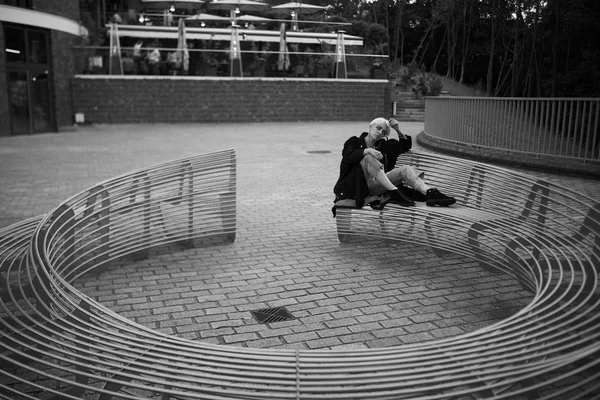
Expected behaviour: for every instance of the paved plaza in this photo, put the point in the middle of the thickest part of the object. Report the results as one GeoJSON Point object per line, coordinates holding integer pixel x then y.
{"type": "Point", "coordinates": [359, 294]}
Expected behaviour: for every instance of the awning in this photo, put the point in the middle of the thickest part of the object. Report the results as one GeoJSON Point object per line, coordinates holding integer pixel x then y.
{"type": "Point", "coordinates": [255, 35]}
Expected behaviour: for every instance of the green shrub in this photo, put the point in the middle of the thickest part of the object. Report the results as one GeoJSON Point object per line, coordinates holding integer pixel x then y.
{"type": "Point", "coordinates": [427, 84]}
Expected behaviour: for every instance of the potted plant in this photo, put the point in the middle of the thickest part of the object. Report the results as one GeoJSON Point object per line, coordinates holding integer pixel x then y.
{"type": "Point", "coordinates": [258, 66]}
{"type": "Point", "coordinates": [323, 64]}
{"type": "Point", "coordinates": [377, 70]}
{"type": "Point", "coordinates": [211, 65]}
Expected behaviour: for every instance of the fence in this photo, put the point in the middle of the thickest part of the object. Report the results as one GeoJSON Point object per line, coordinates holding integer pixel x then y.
{"type": "Point", "coordinates": [265, 62]}
{"type": "Point", "coordinates": [564, 128]}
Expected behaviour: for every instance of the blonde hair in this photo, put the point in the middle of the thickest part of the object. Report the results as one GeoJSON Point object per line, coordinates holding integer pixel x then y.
{"type": "Point", "coordinates": [378, 121]}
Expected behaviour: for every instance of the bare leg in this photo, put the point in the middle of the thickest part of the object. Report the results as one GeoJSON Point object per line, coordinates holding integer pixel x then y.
{"type": "Point", "coordinates": [410, 176]}
{"type": "Point", "coordinates": [384, 181]}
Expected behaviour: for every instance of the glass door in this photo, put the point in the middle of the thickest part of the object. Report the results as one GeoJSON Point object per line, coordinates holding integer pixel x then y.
{"type": "Point", "coordinates": [18, 100]}
{"type": "Point", "coordinates": [41, 112]}
{"type": "Point", "coordinates": [29, 83]}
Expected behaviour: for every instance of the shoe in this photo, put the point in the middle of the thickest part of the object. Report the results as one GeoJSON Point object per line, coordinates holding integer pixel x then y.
{"type": "Point", "coordinates": [397, 197]}
{"type": "Point", "coordinates": [412, 193]}
{"type": "Point", "coordinates": [418, 196]}
{"type": "Point", "coordinates": [437, 198]}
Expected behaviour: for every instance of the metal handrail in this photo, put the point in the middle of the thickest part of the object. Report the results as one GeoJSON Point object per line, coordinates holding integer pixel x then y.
{"type": "Point", "coordinates": [566, 128]}
{"type": "Point", "coordinates": [58, 341]}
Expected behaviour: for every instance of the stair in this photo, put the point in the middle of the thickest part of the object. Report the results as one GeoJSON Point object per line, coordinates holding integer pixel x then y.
{"type": "Point", "coordinates": [409, 105]}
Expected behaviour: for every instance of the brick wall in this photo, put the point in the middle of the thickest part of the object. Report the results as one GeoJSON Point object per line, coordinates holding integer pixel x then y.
{"type": "Point", "coordinates": [63, 67]}
{"type": "Point", "coordinates": [181, 99]}
{"type": "Point", "coordinates": [65, 8]}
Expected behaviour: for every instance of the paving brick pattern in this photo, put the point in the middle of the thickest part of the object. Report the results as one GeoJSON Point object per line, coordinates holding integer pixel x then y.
{"type": "Point", "coordinates": [359, 294]}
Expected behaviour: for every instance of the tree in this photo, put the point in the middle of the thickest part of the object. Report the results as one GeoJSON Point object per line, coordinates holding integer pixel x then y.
{"type": "Point", "coordinates": [517, 47]}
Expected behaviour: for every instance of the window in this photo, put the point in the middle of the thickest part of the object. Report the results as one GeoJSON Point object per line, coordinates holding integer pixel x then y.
{"type": "Point", "coordinates": [15, 45]}
{"type": "Point", "coordinates": [37, 48]}
{"type": "Point", "coordinates": [26, 46]}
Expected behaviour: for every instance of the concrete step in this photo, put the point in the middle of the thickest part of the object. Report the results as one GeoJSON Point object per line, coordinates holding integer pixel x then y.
{"type": "Point", "coordinates": [410, 103]}
{"type": "Point", "coordinates": [409, 114]}
{"type": "Point", "coordinates": [403, 93]}
{"type": "Point", "coordinates": [408, 96]}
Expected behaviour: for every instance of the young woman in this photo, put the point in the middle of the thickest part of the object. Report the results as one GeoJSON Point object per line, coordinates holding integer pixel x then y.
{"type": "Point", "coordinates": [368, 168]}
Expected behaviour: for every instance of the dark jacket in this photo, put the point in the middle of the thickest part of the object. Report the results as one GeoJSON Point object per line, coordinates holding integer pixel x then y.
{"type": "Point", "coordinates": [352, 183]}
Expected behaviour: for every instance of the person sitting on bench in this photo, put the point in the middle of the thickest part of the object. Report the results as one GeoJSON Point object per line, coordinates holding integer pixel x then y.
{"type": "Point", "coordinates": [368, 168]}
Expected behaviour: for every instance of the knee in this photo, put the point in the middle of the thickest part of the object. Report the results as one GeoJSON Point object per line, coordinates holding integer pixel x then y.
{"type": "Point", "coordinates": [370, 165]}
{"type": "Point", "coordinates": [369, 158]}
{"type": "Point", "coordinates": [371, 161]}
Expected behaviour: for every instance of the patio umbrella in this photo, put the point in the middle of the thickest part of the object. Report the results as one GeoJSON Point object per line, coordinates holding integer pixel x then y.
{"type": "Point", "coordinates": [182, 56]}
{"type": "Point", "coordinates": [283, 63]}
{"type": "Point", "coordinates": [164, 4]}
{"type": "Point", "coordinates": [236, 6]}
{"type": "Point", "coordinates": [295, 9]}
{"type": "Point", "coordinates": [252, 18]}
{"type": "Point", "coordinates": [206, 17]}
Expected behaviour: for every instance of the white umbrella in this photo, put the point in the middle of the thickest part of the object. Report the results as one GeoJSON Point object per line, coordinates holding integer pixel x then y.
{"type": "Point", "coordinates": [182, 56]}
{"type": "Point", "coordinates": [164, 4]}
{"type": "Point", "coordinates": [237, 5]}
{"type": "Point", "coordinates": [206, 17]}
{"type": "Point", "coordinates": [283, 63]}
{"type": "Point", "coordinates": [297, 7]}
{"type": "Point", "coordinates": [253, 18]}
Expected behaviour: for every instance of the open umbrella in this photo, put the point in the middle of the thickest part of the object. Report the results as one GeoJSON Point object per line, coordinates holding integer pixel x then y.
{"type": "Point", "coordinates": [206, 17]}
{"type": "Point", "coordinates": [283, 62]}
{"type": "Point", "coordinates": [295, 9]}
{"type": "Point", "coordinates": [252, 18]}
{"type": "Point", "coordinates": [164, 4]}
{"type": "Point", "coordinates": [182, 56]}
{"type": "Point", "coordinates": [236, 6]}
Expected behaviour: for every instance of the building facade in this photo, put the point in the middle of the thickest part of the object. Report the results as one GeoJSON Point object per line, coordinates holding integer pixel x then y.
{"type": "Point", "coordinates": [37, 64]}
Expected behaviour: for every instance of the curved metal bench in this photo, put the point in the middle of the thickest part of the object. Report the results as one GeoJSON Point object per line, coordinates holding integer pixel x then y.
{"type": "Point", "coordinates": [57, 343]}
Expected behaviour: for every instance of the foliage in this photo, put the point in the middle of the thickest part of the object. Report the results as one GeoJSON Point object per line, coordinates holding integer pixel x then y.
{"type": "Point", "coordinates": [374, 35]}
{"type": "Point", "coordinates": [319, 62]}
{"type": "Point", "coordinates": [212, 60]}
{"type": "Point", "coordinates": [427, 84]}
{"type": "Point", "coordinates": [324, 61]}
{"type": "Point", "coordinates": [529, 48]}
{"type": "Point", "coordinates": [403, 74]}
{"type": "Point", "coordinates": [259, 61]}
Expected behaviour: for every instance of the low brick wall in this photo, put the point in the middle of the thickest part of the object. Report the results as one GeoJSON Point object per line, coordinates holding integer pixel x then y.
{"type": "Point", "coordinates": [123, 99]}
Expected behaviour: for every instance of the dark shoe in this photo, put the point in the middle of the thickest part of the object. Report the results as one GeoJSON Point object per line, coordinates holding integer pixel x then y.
{"type": "Point", "coordinates": [397, 197]}
{"type": "Point", "coordinates": [412, 193]}
{"type": "Point", "coordinates": [437, 198]}
{"type": "Point", "coordinates": [418, 196]}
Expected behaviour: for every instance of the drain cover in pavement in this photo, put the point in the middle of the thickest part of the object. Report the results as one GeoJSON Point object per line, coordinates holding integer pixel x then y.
{"type": "Point", "coordinates": [268, 315]}
{"type": "Point", "coordinates": [318, 151]}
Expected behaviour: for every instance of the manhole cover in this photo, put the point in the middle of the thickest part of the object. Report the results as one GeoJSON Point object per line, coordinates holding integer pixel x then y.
{"type": "Point", "coordinates": [269, 315]}
{"type": "Point", "coordinates": [318, 151]}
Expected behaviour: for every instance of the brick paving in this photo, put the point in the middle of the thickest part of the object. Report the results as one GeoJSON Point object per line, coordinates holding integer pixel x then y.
{"type": "Point", "coordinates": [360, 294]}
